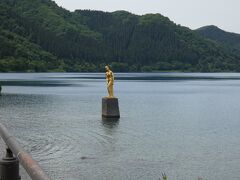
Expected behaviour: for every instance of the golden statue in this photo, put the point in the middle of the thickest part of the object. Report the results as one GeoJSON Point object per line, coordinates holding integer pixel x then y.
{"type": "Point", "coordinates": [110, 81]}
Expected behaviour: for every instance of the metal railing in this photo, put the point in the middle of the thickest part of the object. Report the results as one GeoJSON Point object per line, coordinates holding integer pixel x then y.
{"type": "Point", "coordinates": [9, 165]}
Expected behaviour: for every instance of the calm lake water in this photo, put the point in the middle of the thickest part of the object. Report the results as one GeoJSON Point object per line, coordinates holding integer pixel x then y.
{"type": "Point", "coordinates": [186, 125]}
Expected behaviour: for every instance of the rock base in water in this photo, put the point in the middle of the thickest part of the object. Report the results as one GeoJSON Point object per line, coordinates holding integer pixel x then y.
{"type": "Point", "coordinates": [110, 108]}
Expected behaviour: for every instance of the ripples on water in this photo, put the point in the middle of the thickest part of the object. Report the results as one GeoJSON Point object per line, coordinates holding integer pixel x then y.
{"type": "Point", "coordinates": [186, 125]}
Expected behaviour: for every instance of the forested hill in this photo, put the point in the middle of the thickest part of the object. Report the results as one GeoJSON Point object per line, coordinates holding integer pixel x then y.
{"type": "Point", "coordinates": [231, 40]}
{"type": "Point", "coordinates": [37, 35]}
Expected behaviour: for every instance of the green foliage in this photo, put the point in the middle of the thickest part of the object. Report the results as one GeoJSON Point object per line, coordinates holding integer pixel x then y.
{"type": "Point", "coordinates": [18, 54]}
{"type": "Point", "coordinates": [119, 67]}
{"type": "Point", "coordinates": [37, 35]}
{"type": "Point", "coordinates": [231, 40]}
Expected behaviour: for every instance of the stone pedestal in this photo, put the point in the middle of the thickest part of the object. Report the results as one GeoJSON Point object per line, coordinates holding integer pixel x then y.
{"type": "Point", "coordinates": [110, 108]}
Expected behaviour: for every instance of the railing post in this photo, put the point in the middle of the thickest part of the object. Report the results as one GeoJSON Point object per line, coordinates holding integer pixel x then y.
{"type": "Point", "coordinates": [9, 167]}
{"type": "Point", "coordinates": [28, 163]}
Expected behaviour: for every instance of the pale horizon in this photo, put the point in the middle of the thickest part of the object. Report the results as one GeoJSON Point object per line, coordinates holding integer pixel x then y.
{"type": "Point", "coordinates": [220, 13]}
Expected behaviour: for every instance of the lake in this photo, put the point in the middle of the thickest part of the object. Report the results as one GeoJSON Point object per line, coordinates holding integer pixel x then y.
{"type": "Point", "coordinates": [184, 124]}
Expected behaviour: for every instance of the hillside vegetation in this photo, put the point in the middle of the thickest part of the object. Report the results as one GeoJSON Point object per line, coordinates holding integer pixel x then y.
{"type": "Point", "coordinates": [228, 39]}
{"type": "Point", "coordinates": [37, 35]}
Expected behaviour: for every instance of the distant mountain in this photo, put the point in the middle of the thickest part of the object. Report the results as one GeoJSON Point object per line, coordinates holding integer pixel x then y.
{"type": "Point", "coordinates": [227, 38]}
{"type": "Point", "coordinates": [37, 35]}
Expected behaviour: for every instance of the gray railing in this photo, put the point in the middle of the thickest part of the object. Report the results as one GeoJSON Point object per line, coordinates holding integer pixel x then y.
{"type": "Point", "coordinates": [9, 165]}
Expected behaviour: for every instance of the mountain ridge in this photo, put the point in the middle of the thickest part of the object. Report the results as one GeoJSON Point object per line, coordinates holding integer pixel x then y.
{"type": "Point", "coordinates": [85, 40]}
{"type": "Point", "coordinates": [221, 36]}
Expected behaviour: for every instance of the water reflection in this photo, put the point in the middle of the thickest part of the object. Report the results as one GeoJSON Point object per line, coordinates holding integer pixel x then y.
{"type": "Point", "coordinates": [153, 76]}
{"type": "Point", "coordinates": [39, 83]}
{"type": "Point", "coordinates": [170, 126]}
{"type": "Point", "coordinates": [110, 123]}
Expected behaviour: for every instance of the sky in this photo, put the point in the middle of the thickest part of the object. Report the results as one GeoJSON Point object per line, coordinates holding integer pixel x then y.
{"type": "Point", "coordinates": [191, 13]}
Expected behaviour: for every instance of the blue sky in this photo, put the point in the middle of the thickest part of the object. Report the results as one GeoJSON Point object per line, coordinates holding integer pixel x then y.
{"type": "Point", "coordinates": [191, 13]}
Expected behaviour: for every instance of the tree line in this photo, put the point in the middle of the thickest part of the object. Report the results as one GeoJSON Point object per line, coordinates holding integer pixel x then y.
{"type": "Point", "coordinates": [37, 35]}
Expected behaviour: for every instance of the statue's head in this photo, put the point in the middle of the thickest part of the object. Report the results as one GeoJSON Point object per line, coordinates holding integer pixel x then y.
{"type": "Point", "coordinates": [107, 68]}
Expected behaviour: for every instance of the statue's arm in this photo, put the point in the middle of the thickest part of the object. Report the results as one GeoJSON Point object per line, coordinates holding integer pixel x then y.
{"type": "Point", "coordinates": [106, 79]}
{"type": "Point", "coordinates": [113, 77]}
